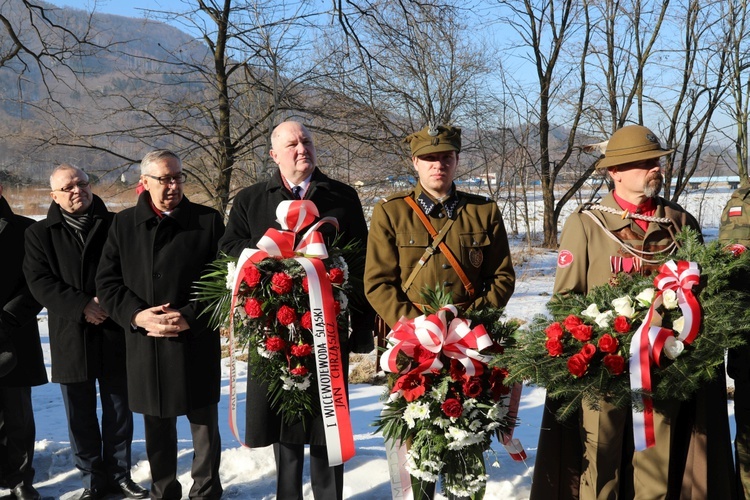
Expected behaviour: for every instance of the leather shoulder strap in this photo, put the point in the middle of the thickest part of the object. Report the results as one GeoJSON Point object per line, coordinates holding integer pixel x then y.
{"type": "Point", "coordinates": [437, 242]}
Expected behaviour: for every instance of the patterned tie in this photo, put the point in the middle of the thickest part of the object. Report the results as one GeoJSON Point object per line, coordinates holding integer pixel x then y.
{"type": "Point", "coordinates": [296, 190]}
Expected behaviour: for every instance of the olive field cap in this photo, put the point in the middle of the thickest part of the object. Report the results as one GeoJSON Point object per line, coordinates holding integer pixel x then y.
{"type": "Point", "coordinates": [433, 139]}
{"type": "Point", "coordinates": [630, 144]}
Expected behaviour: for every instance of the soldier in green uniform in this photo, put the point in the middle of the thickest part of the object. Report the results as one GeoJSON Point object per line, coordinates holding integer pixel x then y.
{"type": "Point", "coordinates": [625, 232]}
{"type": "Point", "coordinates": [735, 228]}
{"type": "Point", "coordinates": [436, 236]}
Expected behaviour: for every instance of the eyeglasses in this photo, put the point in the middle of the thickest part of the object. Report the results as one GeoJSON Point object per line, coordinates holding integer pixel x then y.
{"type": "Point", "coordinates": [166, 180]}
{"type": "Point", "coordinates": [69, 189]}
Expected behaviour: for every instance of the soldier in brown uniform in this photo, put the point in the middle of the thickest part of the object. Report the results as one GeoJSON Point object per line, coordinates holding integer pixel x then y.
{"type": "Point", "coordinates": [735, 228]}
{"type": "Point", "coordinates": [435, 235]}
{"type": "Point", "coordinates": [403, 259]}
{"type": "Point", "coordinates": [623, 233]}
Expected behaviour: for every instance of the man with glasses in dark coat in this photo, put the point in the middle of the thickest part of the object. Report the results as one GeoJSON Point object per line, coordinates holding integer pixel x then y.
{"type": "Point", "coordinates": [62, 256]}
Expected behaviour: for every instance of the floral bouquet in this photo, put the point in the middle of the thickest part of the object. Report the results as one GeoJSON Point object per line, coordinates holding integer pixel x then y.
{"type": "Point", "coordinates": [445, 402]}
{"type": "Point", "coordinates": [286, 306]}
{"type": "Point", "coordinates": [640, 337]}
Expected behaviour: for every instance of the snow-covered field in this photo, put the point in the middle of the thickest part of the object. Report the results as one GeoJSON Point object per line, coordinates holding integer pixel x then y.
{"type": "Point", "coordinates": [250, 473]}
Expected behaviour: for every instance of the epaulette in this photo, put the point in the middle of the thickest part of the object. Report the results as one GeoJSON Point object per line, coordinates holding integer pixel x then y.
{"type": "Point", "coordinates": [481, 197]}
{"type": "Point", "coordinates": [397, 196]}
{"type": "Point", "coordinates": [741, 193]}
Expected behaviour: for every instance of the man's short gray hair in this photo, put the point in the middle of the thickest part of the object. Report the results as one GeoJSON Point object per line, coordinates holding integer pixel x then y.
{"type": "Point", "coordinates": [155, 156]}
{"type": "Point", "coordinates": [66, 166]}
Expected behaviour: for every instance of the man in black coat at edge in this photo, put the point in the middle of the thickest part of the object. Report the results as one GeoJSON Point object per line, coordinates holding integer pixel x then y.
{"type": "Point", "coordinates": [21, 359]}
{"type": "Point", "coordinates": [62, 256]}
{"type": "Point", "coordinates": [253, 212]}
{"type": "Point", "coordinates": [154, 253]}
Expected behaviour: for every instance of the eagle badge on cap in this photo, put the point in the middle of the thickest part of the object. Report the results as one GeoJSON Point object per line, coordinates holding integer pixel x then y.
{"type": "Point", "coordinates": [652, 138]}
{"type": "Point", "coordinates": [432, 130]}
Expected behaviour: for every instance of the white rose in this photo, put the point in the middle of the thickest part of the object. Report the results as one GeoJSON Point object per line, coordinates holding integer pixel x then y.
{"type": "Point", "coordinates": [678, 324]}
{"type": "Point", "coordinates": [646, 297]}
{"type": "Point", "coordinates": [591, 311]}
{"type": "Point", "coordinates": [673, 347]}
{"type": "Point", "coordinates": [603, 320]}
{"type": "Point", "coordinates": [624, 306]}
{"type": "Point", "coordinates": [670, 299]}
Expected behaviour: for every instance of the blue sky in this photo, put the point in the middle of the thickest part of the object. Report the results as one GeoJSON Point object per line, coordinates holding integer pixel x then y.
{"type": "Point", "coordinates": [130, 8]}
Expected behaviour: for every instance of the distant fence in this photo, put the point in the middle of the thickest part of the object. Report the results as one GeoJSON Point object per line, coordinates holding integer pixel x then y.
{"type": "Point", "coordinates": [733, 181]}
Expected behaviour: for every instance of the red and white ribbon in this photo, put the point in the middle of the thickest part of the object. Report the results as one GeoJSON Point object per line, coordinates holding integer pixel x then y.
{"type": "Point", "coordinates": [424, 338]}
{"type": "Point", "coordinates": [513, 445]}
{"type": "Point", "coordinates": [648, 341]}
{"type": "Point", "coordinates": [293, 216]}
{"type": "Point", "coordinates": [334, 405]}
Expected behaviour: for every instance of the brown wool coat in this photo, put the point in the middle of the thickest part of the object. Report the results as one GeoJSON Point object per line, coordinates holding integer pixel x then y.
{"type": "Point", "coordinates": [398, 239]}
{"type": "Point", "coordinates": [598, 455]}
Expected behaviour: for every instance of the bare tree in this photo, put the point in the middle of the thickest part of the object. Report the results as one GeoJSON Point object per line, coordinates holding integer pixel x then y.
{"type": "Point", "coordinates": [546, 29]}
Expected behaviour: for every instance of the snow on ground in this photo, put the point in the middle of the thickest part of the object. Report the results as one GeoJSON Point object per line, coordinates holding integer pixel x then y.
{"type": "Point", "coordinates": [250, 473]}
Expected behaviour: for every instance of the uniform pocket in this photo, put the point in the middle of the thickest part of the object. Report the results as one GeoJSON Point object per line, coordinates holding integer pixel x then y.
{"type": "Point", "coordinates": [411, 246]}
{"type": "Point", "coordinates": [474, 248]}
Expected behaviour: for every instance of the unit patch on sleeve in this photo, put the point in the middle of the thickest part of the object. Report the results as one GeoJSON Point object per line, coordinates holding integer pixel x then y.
{"type": "Point", "coordinates": [564, 258]}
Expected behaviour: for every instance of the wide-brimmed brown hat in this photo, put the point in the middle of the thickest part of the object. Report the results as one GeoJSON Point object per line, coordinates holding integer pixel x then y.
{"type": "Point", "coordinates": [630, 144]}
{"type": "Point", "coordinates": [435, 139]}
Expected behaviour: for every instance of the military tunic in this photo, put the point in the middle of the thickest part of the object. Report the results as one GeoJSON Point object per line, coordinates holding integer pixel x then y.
{"type": "Point", "coordinates": [398, 240]}
{"type": "Point", "coordinates": [676, 467]}
{"type": "Point", "coordinates": [735, 228]}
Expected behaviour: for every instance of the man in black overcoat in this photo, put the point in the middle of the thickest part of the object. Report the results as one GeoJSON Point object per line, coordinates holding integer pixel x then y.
{"type": "Point", "coordinates": [154, 253]}
{"type": "Point", "coordinates": [22, 359]}
{"type": "Point", "coordinates": [253, 212]}
{"type": "Point", "coordinates": [62, 256]}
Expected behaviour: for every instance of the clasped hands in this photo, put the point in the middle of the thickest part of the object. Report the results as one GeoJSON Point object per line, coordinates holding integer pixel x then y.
{"type": "Point", "coordinates": [161, 321]}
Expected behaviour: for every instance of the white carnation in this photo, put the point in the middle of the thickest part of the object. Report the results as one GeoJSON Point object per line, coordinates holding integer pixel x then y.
{"type": "Point", "coordinates": [231, 271]}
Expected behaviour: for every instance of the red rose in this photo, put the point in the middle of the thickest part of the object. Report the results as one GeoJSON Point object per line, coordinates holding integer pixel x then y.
{"type": "Point", "coordinates": [577, 365]}
{"type": "Point", "coordinates": [497, 388]}
{"type": "Point", "coordinates": [305, 285]}
{"type": "Point", "coordinates": [412, 386]}
{"type": "Point", "coordinates": [251, 276]}
{"type": "Point", "coordinates": [622, 324]}
{"type": "Point", "coordinates": [299, 371]}
{"type": "Point", "coordinates": [607, 343]}
{"type": "Point", "coordinates": [582, 332]}
{"type": "Point", "coordinates": [457, 370]}
{"type": "Point", "coordinates": [614, 363]}
{"type": "Point", "coordinates": [281, 283]}
{"type": "Point", "coordinates": [588, 351]}
{"type": "Point", "coordinates": [336, 275]}
{"type": "Point", "coordinates": [286, 315]}
{"type": "Point", "coordinates": [254, 308]}
{"type": "Point", "coordinates": [736, 249]}
{"type": "Point", "coordinates": [571, 322]}
{"type": "Point", "coordinates": [554, 331]}
{"type": "Point", "coordinates": [452, 407]}
{"type": "Point", "coordinates": [472, 387]}
{"type": "Point", "coordinates": [275, 344]}
{"type": "Point", "coordinates": [301, 350]}
{"type": "Point", "coordinates": [306, 320]}
{"type": "Point", "coordinates": [421, 355]}
{"type": "Point", "coordinates": [554, 347]}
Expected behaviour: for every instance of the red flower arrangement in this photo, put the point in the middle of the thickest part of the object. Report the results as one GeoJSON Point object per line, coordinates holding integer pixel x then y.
{"type": "Point", "coordinates": [584, 351]}
{"type": "Point", "coordinates": [445, 400]}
